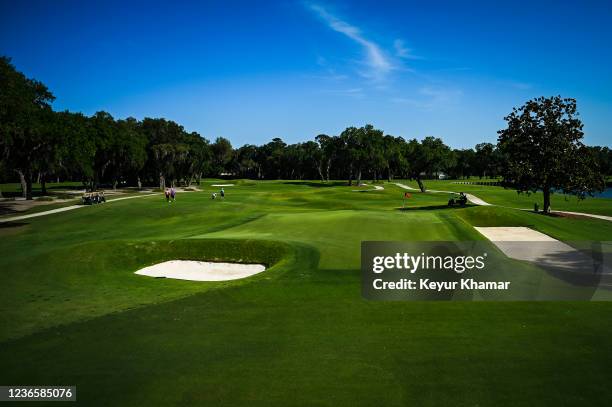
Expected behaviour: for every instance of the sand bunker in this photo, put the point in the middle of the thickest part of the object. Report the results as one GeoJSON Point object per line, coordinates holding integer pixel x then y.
{"type": "Point", "coordinates": [222, 185]}
{"type": "Point", "coordinates": [514, 234]}
{"type": "Point", "coordinates": [523, 243]}
{"type": "Point", "coordinates": [376, 188]}
{"type": "Point", "coordinates": [201, 270]}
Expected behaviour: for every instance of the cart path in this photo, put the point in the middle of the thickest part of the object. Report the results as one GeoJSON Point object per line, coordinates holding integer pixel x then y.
{"type": "Point", "coordinates": [65, 208]}
{"type": "Point", "coordinates": [472, 198]}
{"type": "Point", "coordinates": [590, 215]}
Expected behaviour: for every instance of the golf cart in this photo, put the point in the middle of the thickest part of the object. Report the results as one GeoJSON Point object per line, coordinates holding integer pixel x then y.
{"type": "Point", "coordinates": [93, 198]}
{"type": "Point", "coordinates": [457, 200]}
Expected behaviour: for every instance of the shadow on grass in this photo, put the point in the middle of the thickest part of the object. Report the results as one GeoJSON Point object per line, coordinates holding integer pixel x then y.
{"type": "Point", "coordinates": [434, 207]}
{"type": "Point", "coordinates": [7, 225]}
{"type": "Point", "coordinates": [5, 209]}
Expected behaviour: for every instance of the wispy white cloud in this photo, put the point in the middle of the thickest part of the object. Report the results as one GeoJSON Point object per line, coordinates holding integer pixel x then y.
{"type": "Point", "coordinates": [351, 92]}
{"type": "Point", "coordinates": [378, 62]}
{"type": "Point", "coordinates": [521, 85]}
{"type": "Point", "coordinates": [401, 51]}
{"type": "Point", "coordinates": [429, 98]}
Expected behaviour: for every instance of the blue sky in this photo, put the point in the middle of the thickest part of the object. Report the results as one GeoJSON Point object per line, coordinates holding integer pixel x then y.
{"type": "Point", "coordinates": [251, 71]}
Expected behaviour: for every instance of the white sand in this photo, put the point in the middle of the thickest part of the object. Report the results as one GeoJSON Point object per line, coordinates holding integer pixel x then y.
{"type": "Point", "coordinates": [514, 234]}
{"type": "Point", "coordinates": [222, 185]}
{"type": "Point", "coordinates": [405, 186]}
{"type": "Point", "coordinates": [376, 188]}
{"type": "Point", "coordinates": [522, 243]}
{"type": "Point", "coordinates": [201, 270]}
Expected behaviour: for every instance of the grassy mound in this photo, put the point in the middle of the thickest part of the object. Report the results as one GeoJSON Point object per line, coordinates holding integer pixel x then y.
{"type": "Point", "coordinates": [95, 278]}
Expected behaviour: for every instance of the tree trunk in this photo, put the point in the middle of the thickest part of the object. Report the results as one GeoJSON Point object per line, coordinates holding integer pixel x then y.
{"type": "Point", "coordinates": [321, 171]}
{"type": "Point", "coordinates": [95, 181]}
{"type": "Point", "coordinates": [28, 180]}
{"type": "Point", "coordinates": [328, 169]}
{"type": "Point", "coordinates": [162, 182]}
{"type": "Point", "coordinates": [546, 193]}
{"type": "Point", "coordinates": [114, 184]}
{"type": "Point", "coordinates": [22, 180]}
{"type": "Point", "coordinates": [43, 183]}
{"type": "Point", "coordinates": [421, 186]}
{"type": "Point", "coordinates": [359, 177]}
{"type": "Point", "coordinates": [139, 182]}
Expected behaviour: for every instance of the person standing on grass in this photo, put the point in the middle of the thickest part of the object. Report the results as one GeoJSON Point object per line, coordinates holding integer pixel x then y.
{"type": "Point", "coordinates": [222, 194]}
{"type": "Point", "coordinates": [167, 193]}
{"type": "Point", "coordinates": [173, 193]}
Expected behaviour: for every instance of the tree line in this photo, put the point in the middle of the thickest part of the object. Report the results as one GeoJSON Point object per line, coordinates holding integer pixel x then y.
{"type": "Point", "coordinates": [38, 144]}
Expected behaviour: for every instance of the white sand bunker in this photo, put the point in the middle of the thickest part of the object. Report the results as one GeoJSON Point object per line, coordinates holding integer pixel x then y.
{"type": "Point", "coordinates": [523, 243]}
{"type": "Point", "coordinates": [222, 185]}
{"type": "Point", "coordinates": [201, 270]}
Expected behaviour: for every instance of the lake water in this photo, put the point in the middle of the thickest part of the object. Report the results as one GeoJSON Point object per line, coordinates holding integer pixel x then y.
{"type": "Point", "coordinates": [607, 193]}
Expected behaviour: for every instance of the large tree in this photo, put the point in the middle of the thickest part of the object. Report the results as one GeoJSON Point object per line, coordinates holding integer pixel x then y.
{"type": "Point", "coordinates": [427, 158]}
{"type": "Point", "coordinates": [395, 161]}
{"type": "Point", "coordinates": [330, 147]}
{"type": "Point", "coordinates": [25, 105]}
{"type": "Point", "coordinates": [542, 150]}
{"type": "Point", "coordinates": [222, 154]}
{"type": "Point", "coordinates": [487, 160]}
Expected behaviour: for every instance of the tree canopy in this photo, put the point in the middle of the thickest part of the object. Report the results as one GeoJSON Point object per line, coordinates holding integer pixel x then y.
{"type": "Point", "coordinates": [542, 149]}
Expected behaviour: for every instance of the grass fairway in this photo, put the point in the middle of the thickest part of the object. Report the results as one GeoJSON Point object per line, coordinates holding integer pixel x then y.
{"type": "Point", "coordinates": [73, 313]}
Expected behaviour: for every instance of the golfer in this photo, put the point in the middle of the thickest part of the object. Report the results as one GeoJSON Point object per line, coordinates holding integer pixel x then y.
{"type": "Point", "coordinates": [173, 193]}
{"type": "Point", "coordinates": [222, 194]}
{"type": "Point", "coordinates": [167, 193]}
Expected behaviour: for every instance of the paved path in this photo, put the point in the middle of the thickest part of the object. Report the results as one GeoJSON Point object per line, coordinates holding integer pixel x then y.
{"type": "Point", "coordinates": [476, 201]}
{"type": "Point", "coordinates": [473, 199]}
{"type": "Point", "coordinates": [64, 209]}
{"type": "Point", "coordinates": [590, 215]}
